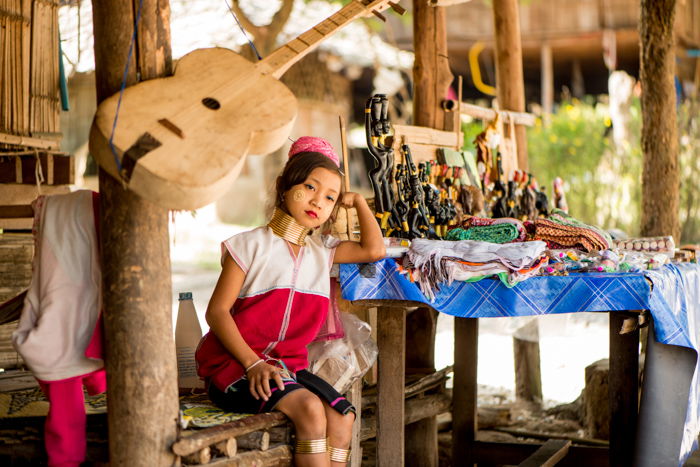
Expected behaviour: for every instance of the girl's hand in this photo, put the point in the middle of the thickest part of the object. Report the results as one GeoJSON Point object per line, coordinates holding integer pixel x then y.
{"type": "Point", "coordinates": [259, 377]}
{"type": "Point", "coordinates": [351, 200]}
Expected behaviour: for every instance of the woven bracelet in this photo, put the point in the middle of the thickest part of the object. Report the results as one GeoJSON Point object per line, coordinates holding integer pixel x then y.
{"type": "Point", "coordinates": [257, 362]}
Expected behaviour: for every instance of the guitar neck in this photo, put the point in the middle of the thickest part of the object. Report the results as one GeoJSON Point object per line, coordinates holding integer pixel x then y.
{"type": "Point", "coordinates": [284, 57]}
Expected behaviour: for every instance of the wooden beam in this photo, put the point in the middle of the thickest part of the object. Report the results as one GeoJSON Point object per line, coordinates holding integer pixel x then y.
{"type": "Point", "coordinates": [431, 81]}
{"type": "Point", "coordinates": [57, 169]}
{"type": "Point", "coordinates": [259, 440]}
{"type": "Point", "coordinates": [16, 211]}
{"type": "Point", "coordinates": [12, 308]}
{"type": "Point", "coordinates": [548, 455]}
{"type": "Point", "coordinates": [137, 296]}
{"type": "Point", "coordinates": [484, 113]}
{"type": "Point", "coordinates": [623, 390]}
{"type": "Point", "coordinates": [417, 408]}
{"type": "Point", "coordinates": [431, 69]}
{"type": "Point", "coordinates": [28, 141]}
{"type": "Point", "coordinates": [545, 436]}
{"type": "Point", "coordinates": [510, 86]}
{"type": "Point", "coordinates": [464, 411]}
{"type": "Point", "coordinates": [426, 383]}
{"type": "Point", "coordinates": [447, 2]}
{"type": "Point", "coordinates": [280, 455]}
{"type": "Point", "coordinates": [391, 373]}
{"type": "Point", "coordinates": [547, 80]}
{"type": "Point", "coordinates": [194, 441]}
{"type": "Point", "coordinates": [512, 453]}
{"type": "Point", "coordinates": [354, 396]}
{"type": "Point", "coordinates": [410, 134]}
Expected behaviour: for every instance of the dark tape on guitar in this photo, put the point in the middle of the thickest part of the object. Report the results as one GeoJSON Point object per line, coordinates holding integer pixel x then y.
{"type": "Point", "coordinates": [145, 144]}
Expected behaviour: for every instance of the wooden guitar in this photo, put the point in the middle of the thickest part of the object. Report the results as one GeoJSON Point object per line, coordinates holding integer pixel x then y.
{"type": "Point", "coordinates": [181, 140]}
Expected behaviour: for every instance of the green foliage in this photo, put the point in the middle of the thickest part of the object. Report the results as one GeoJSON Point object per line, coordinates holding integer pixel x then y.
{"type": "Point", "coordinates": [471, 130]}
{"type": "Point", "coordinates": [689, 161]}
{"type": "Point", "coordinates": [602, 183]}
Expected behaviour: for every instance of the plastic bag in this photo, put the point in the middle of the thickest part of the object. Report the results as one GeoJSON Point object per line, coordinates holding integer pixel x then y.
{"type": "Point", "coordinates": [332, 327]}
{"type": "Point", "coordinates": [340, 362]}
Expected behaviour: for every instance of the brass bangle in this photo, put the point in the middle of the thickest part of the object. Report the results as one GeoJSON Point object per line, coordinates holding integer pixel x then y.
{"type": "Point", "coordinates": [339, 455]}
{"type": "Point", "coordinates": [311, 446]}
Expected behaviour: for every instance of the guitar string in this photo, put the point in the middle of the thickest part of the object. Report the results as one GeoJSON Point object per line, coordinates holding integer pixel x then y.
{"type": "Point", "coordinates": [245, 34]}
{"type": "Point", "coordinates": [123, 86]}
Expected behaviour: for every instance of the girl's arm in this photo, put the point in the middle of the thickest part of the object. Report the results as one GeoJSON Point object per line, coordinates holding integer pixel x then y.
{"type": "Point", "coordinates": [221, 323]}
{"type": "Point", "coordinates": [371, 246]}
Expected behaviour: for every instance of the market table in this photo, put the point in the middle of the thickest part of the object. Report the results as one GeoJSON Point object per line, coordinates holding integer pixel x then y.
{"type": "Point", "coordinates": [672, 301]}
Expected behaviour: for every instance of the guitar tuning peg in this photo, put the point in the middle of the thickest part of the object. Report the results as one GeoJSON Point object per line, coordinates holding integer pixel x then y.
{"type": "Point", "coordinates": [397, 8]}
{"type": "Point", "coordinates": [379, 15]}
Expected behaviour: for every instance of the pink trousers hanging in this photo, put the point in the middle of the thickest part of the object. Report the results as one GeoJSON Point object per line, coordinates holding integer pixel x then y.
{"type": "Point", "coordinates": [64, 431]}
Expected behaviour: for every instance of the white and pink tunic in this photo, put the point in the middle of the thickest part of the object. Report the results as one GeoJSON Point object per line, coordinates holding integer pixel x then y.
{"type": "Point", "coordinates": [281, 306]}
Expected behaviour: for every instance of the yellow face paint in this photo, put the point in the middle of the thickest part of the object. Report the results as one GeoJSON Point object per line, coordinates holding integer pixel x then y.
{"type": "Point", "coordinates": [298, 195]}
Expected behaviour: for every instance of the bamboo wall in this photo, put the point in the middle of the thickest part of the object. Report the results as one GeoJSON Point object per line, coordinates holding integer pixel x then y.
{"type": "Point", "coordinates": [29, 93]}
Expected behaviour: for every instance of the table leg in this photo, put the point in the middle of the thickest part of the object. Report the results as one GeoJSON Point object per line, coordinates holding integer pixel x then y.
{"type": "Point", "coordinates": [623, 387]}
{"type": "Point", "coordinates": [355, 397]}
{"type": "Point", "coordinates": [464, 392]}
{"type": "Point", "coordinates": [391, 341]}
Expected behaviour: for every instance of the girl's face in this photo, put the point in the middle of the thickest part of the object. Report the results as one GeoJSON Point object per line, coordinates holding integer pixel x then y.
{"type": "Point", "coordinates": [311, 202]}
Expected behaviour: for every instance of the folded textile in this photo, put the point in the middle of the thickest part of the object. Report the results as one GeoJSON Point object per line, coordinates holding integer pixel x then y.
{"type": "Point", "coordinates": [500, 233]}
{"type": "Point", "coordinates": [472, 222]}
{"type": "Point", "coordinates": [561, 231]}
{"type": "Point", "coordinates": [434, 262]}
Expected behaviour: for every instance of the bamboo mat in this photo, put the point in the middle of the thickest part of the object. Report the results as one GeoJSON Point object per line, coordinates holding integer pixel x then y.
{"type": "Point", "coordinates": [32, 403]}
{"type": "Point", "coordinates": [196, 409]}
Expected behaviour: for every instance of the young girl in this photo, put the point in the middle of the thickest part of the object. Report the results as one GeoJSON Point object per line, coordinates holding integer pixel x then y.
{"type": "Point", "coordinates": [272, 298]}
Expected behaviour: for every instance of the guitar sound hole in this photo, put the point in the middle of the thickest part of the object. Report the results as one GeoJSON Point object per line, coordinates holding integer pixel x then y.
{"type": "Point", "coordinates": [211, 103]}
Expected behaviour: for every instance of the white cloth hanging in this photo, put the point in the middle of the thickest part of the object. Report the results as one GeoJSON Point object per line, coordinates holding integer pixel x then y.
{"type": "Point", "coordinates": [64, 300]}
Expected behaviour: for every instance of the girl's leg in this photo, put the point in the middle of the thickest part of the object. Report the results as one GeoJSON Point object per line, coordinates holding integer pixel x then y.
{"type": "Point", "coordinates": [307, 413]}
{"type": "Point", "coordinates": [339, 430]}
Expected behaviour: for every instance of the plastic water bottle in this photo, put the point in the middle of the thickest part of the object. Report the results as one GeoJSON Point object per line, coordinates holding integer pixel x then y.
{"type": "Point", "coordinates": [188, 332]}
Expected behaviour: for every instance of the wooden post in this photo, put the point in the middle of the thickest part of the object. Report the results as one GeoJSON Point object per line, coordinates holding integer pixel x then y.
{"type": "Point", "coordinates": [390, 396]}
{"type": "Point", "coordinates": [526, 353]}
{"type": "Point", "coordinates": [431, 69]}
{"type": "Point", "coordinates": [354, 396]}
{"type": "Point", "coordinates": [510, 87]}
{"type": "Point", "coordinates": [140, 352]}
{"type": "Point", "coordinates": [431, 80]}
{"type": "Point", "coordinates": [660, 173]}
{"type": "Point", "coordinates": [623, 387]}
{"type": "Point", "coordinates": [464, 410]}
{"type": "Point", "coordinates": [546, 81]}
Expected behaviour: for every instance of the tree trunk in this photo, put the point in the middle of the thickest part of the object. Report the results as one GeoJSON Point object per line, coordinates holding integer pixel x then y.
{"type": "Point", "coordinates": [140, 352]}
{"type": "Point", "coordinates": [431, 79]}
{"type": "Point", "coordinates": [510, 87]}
{"type": "Point", "coordinates": [660, 175]}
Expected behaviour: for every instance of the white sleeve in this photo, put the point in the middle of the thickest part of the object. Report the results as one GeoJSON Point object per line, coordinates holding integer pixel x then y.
{"type": "Point", "coordinates": [241, 247]}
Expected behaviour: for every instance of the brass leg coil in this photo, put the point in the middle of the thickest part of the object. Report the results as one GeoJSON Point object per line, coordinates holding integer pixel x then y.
{"type": "Point", "coordinates": [311, 446]}
{"type": "Point", "coordinates": [339, 455]}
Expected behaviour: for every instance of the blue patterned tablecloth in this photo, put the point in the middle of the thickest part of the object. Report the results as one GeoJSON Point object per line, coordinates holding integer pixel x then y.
{"type": "Point", "coordinates": [490, 298]}
{"type": "Point", "coordinates": [673, 300]}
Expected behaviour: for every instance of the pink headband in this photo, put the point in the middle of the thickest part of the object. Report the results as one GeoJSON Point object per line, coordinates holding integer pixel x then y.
{"type": "Point", "coordinates": [314, 144]}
